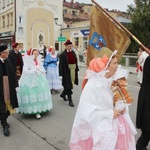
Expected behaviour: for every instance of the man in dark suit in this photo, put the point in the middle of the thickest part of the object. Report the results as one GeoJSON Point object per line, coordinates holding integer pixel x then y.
{"type": "Point", "coordinates": [16, 59]}
{"type": "Point", "coordinates": [68, 70]}
{"type": "Point", "coordinates": [143, 108]}
{"type": "Point", "coordinates": [8, 88]}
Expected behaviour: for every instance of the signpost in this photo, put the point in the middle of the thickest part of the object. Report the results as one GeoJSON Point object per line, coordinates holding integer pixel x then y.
{"type": "Point", "coordinates": [61, 39]}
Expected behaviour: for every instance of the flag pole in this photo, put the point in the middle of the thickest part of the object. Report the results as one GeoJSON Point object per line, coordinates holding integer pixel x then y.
{"type": "Point", "coordinates": [127, 31]}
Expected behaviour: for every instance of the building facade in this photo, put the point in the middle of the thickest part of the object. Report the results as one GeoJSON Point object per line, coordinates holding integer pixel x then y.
{"type": "Point", "coordinates": [7, 22]}
{"type": "Point", "coordinates": [30, 22]}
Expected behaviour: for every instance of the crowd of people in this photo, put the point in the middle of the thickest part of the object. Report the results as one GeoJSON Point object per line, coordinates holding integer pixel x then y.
{"type": "Point", "coordinates": [27, 82]}
{"type": "Point", "coordinates": [102, 120]}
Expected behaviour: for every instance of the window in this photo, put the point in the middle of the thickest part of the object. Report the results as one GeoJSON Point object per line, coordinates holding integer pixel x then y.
{"type": "Point", "coordinates": [0, 23]}
{"type": "Point", "coordinates": [8, 22]}
{"type": "Point", "coordinates": [76, 41]}
{"type": "Point", "coordinates": [74, 12]}
{"type": "Point", "coordinates": [65, 11]}
{"type": "Point", "coordinates": [3, 21]}
{"type": "Point", "coordinates": [11, 19]}
{"type": "Point", "coordinates": [57, 46]}
{"type": "Point", "coordinates": [85, 42]}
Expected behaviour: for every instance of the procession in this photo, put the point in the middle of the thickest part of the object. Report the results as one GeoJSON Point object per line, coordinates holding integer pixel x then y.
{"type": "Point", "coordinates": [81, 97]}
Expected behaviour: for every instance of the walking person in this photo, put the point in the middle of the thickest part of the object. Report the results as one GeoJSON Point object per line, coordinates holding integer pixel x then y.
{"type": "Point", "coordinates": [68, 70]}
{"type": "Point", "coordinates": [98, 123]}
{"type": "Point", "coordinates": [142, 55]}
{"type": "Point", "coordinates": [50, 65]}
{"type": "Point", "coordinates": [143, 108]}
{"type": "Point", "coordinates": [34, 96]}
{"type": "Point", "coordinates": [8, 87]}
{"type": "Point", "coordinates": [85, 56]}
{"type": "Point", "coordinates": [76, 50]}
{"type": "Point", "coordinates": [16, 59]}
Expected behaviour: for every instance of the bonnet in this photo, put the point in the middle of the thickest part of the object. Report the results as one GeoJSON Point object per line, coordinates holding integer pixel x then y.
{"type": "Point", "coordinates": [100, 62]}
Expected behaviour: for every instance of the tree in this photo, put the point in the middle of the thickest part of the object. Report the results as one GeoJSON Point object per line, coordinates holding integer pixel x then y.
{"type": "Point", "coordinates": [140, 26]}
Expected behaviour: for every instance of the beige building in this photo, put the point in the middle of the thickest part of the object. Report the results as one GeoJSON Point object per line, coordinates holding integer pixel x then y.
{"type": "Point", "coordinates": [30, 22]}
{"type": "Point", "coordinates": [7, 21]}
{"type": "Point", "coordinates": [78, 33]}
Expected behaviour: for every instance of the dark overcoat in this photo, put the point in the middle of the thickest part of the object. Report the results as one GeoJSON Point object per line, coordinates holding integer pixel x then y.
{"type": "Point", "coordinates": [13, 57]}
{"type": "Point", "coordinates": [12, 85]}
{"type": "Point", "coordinates": [64, 70]}
{"type": "Point", "coordinates": [143, 108]}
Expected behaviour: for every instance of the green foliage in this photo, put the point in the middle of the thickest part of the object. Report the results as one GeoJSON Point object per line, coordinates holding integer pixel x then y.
{"type": "Point", "coordinates": [122, 62]}
{"type": "Point", "coordinates": [140, 26]}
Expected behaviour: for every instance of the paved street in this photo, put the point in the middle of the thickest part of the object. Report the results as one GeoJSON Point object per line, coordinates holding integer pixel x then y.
{"type": "Point", "coordinates": [52, 131]}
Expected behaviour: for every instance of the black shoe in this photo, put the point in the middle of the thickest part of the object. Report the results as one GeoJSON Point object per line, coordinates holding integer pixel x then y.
{"type": "Point", "coordinates": [6, 131]}
{"type": "Point", "coordinates": [64, 97]}
{"type": "Point", "coordinates": [71, 104]}
{"type": "Point", "coordinates": [140, 147]}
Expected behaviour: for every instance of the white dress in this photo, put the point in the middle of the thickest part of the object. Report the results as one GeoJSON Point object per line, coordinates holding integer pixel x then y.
{"type": "Point", "coordinates": [34, 95]}
{"type": "Point", "coordinates": [94, 127]}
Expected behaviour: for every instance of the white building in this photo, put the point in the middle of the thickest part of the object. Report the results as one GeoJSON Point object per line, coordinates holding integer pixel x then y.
{"type": "Point", "coordinates": [30, 22]}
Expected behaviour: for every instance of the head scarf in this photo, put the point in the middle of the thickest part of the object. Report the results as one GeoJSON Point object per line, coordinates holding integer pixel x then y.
{"type": "Point", "coordinates": [30, 51]}
{"type": "Point", "coordinates": [100, 62]}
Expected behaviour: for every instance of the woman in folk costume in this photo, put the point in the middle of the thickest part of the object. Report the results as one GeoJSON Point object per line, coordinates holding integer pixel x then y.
{"type": "Point", "coordinates": [98, 124]}
{"type": "Point", "coordinates": [122, 99]}
{"type": "Point", "coordinates": [119, 86]}
{"type": "Point", "coordinates": [50, 65]}
{"type": "Point", "coordinates": [34, 96]}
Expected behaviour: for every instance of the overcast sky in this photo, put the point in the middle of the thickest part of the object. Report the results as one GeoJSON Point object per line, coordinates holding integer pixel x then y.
{"type": "Point", "coordinates": [110, 4]}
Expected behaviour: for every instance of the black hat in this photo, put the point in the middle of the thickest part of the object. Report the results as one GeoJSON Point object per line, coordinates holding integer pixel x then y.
{"type": "Point", "coordinates": [68, 42]}
{"type": "Point", "coordinates": [3, 47]}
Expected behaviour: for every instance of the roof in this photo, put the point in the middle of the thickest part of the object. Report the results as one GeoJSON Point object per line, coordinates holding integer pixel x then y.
{"type": "Point", "coordinates": [72, 5]}
{"type": "Point", "coordinates": [123, 20]}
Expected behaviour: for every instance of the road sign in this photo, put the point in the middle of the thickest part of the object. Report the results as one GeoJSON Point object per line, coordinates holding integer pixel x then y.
{"type": "Point", "coordinates": [61, 39]}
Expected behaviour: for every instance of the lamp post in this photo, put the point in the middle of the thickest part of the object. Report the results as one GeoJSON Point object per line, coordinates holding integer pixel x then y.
{"type": "Point", "coordinates": [56, 22]}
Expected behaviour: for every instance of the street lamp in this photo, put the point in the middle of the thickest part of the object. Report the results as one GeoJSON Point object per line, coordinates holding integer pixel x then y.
{"type": "Point", "coordinates": [56, 22]}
